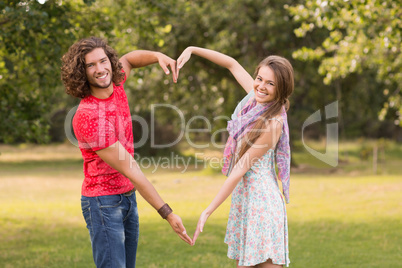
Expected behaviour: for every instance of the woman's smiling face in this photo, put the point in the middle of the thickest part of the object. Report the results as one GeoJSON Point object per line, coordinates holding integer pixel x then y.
{"type": "Point", "coordinates": [265, 85]}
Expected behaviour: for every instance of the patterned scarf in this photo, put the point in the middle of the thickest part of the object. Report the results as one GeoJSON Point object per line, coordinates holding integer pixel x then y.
{"type": "Point", "coordinates": [240, 126]}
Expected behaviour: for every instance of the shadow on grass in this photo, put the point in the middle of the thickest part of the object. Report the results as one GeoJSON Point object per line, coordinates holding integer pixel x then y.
{"type": "Point", "coordinates": [159, 246]}
{"type": "Point", "coordinates": [339, 244]}
{"type": "Point", "coordinates": [37, 244]}
{"type": "Point", "coordinates": [312, 244]}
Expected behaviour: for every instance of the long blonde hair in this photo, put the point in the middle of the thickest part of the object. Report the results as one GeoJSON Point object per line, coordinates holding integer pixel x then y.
{"type": "Point", "coordinates": [284, 86]}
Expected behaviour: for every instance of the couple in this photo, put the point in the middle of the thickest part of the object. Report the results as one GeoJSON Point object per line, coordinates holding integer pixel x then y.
{"type": "Point", "coordinates": [257, 227]}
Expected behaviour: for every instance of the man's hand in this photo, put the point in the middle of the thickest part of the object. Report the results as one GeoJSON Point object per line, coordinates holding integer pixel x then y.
{"type": "Point", "coordinates": [165, 62]}
{"type": "Point", "coordinates": [177, 225]}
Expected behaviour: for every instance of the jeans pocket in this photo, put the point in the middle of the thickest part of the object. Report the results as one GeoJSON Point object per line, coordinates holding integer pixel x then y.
{"type": "Point", "coordinates": [109, 201]}
{"type": "Point", "coordinates": [86, 212]}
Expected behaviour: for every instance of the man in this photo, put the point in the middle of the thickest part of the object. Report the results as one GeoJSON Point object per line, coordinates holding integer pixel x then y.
{"type": "Point", "coordinates": [102, 124]}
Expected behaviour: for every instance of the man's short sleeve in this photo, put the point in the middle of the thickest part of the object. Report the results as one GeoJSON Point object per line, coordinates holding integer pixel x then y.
{"type": "Point", "coordinates": [93, 132]}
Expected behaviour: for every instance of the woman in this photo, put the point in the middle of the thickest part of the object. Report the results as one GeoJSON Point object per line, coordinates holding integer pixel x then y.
{"type": "Point", "coordinates": [257, 226]}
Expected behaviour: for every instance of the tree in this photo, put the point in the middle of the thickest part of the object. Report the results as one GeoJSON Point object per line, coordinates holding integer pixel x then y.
{"type": "Point", "coordinates": [33, 37]}
{"type": "Point", "coordinates": [362, 36]}
{"type": "Point", "coordinates": [341, 40]}
{"type": "Point", "coordinates": [241, 29]}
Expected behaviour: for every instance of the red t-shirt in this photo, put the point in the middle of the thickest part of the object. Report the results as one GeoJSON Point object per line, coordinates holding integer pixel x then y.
{"type": "Point", "coordinates": [97, 124]}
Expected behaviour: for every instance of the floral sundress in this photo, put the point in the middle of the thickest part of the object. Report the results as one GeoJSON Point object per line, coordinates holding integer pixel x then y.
{"type": "Point", "coordinates": [257, 228]}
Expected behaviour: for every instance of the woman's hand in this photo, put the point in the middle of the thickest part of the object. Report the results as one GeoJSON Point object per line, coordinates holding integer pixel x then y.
{"type": "Point", "coordinates": [200, 226]}
{"type": "Point", "coordinates": [184, 57]}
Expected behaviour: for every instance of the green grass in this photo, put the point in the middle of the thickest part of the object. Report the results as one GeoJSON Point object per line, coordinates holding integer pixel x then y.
{"type": "Point", "coordinates": [344, 217]}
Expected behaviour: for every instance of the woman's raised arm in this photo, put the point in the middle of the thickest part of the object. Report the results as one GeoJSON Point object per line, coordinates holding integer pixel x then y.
{"type": "Point", "coordinates": [241, 75]}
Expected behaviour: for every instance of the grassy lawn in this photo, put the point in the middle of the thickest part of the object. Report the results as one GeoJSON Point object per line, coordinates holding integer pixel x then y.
{"type": "Point", "coordinates": [343, 217]}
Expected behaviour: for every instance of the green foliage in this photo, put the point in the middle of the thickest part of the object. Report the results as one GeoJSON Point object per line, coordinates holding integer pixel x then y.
{"type": "Point", "coordinates": [33, 37]}
{"type": "Point", "coordinates": [354, 44]}
{"type": "Point", "coordinates": [31, 48]}
{"type": "Point", "coordinates": [361, 35]}
{"type": "Point", "coordinates": [241, 29]}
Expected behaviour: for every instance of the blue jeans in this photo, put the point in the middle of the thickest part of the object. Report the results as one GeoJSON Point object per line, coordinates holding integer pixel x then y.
{"type": "Point", "coordinates": [112, 221]}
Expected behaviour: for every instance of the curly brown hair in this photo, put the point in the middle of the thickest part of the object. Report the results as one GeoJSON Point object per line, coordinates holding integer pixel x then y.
{"type": "Point", "coordinates": [73, 72]}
